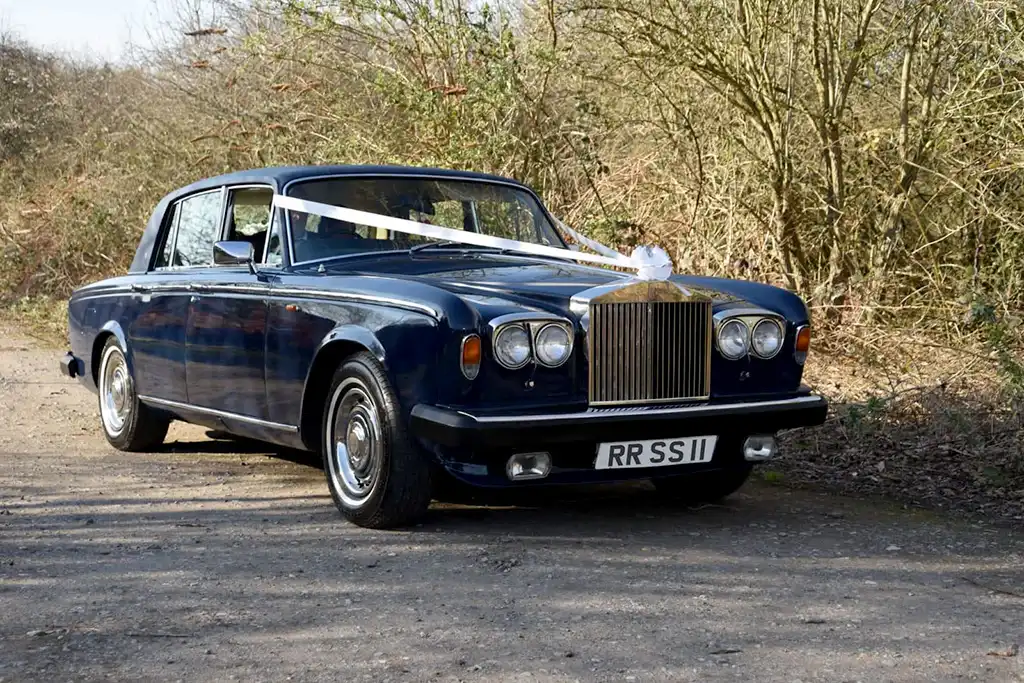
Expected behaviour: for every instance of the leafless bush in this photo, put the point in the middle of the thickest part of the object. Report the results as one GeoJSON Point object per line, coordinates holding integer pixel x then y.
{"type": "Point", "coordinates": [27, 109]}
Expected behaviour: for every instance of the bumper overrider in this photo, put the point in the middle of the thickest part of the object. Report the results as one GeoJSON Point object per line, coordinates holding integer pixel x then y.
{"type": "Point", "coordinates": [70, 366]}
{"type": "Point", "coordinates": [475, 447]}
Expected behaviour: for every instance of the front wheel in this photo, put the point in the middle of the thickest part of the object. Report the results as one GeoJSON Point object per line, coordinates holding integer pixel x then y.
{"type": "Point", "coordinates": [127, 423]}
{"type": "Point", "coordinates": [377, 476]}
{"type": "Point", "coordinates": [703, 487]}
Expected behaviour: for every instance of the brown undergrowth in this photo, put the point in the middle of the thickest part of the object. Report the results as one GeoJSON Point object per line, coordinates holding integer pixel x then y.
{"type": "Point", "coordinates": [925, 423]}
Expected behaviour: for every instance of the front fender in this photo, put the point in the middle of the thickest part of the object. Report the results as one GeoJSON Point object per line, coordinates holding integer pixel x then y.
{"type": "Point", "coordinates": [352, 335]}
{"type": "Point", "coordinates": [340, 342]}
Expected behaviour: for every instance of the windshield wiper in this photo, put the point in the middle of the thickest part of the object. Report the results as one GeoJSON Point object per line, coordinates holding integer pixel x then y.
{"type": "Point", "coordinates": [443, 244]}
{"type": "Point", "coordinates": [428, 245]}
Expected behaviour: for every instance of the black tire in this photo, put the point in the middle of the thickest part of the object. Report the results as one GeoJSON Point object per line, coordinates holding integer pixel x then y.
{"type": "Point", "coordinates": [703, 487]}
{"type": "Point", "coordinates": [127, 423]}
{"type": "Point", "coordinates": [377, 475]}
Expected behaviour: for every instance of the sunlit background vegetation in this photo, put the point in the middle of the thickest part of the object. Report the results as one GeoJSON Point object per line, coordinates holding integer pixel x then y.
{"type": "Point", "coordinates": [866, 153]}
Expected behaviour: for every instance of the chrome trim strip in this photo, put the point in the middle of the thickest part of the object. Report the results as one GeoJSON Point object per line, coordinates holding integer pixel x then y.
{"type": "Point", "coordinates": [746, 312]}
{"type": "Point", "coordinates": [278, 292]}
{"type": "Point", "coordinates": [641, 412]}
{"type": "Point", "coordinates": [527, 316]}
{"type": "Point", "coordinates": [580, 302]}
{"type": "Point", "coordinates": [164, 403]}
{"type": "Point", "coordinates": [273, 293]}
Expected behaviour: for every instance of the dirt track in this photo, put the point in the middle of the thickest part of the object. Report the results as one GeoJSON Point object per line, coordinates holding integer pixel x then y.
{"type": "Point", "coordinates": [203, 563]}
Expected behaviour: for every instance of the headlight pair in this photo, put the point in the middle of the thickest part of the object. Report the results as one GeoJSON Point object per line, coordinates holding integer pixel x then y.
{"type": "Point", "coordinates": [741, 335]}
{"type": "Point", "coordinates": [516, 341]}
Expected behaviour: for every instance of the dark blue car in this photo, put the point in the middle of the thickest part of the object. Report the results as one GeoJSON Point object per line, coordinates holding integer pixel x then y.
{"type": "Point", "coordinates": [409, 362]}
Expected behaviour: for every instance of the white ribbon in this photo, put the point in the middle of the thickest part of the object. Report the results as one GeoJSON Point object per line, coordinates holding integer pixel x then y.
{"type": "Point", "coordinates": [651, 263]}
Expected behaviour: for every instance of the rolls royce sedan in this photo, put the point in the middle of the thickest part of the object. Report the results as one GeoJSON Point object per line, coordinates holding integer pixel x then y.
{"type": "Point", "coordinates": [498, 356]}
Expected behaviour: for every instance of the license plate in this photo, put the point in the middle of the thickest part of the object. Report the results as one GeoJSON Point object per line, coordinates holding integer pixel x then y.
{"type": "Point", "coordinates": [655, 453]}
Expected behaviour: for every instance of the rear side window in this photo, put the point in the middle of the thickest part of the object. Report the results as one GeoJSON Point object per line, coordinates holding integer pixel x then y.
{"type": "Point", "coordinates": [164, 258]}
{"type": "Point", "coordinates": [198, 228]}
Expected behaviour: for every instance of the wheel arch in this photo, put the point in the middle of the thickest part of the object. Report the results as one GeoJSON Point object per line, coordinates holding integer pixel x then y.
{"type": "Point", "coordinates": [339, 344]}
{"type": "Point", "coordinates": [111, 329]}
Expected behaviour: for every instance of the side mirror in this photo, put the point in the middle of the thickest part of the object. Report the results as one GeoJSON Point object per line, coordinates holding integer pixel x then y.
{"type": "Point", "coordinates": [234, 253]}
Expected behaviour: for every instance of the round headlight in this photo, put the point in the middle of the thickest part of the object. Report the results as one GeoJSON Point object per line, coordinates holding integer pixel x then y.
{"type": "Point", "coordinates": [553, 345]}
{"type": "Point", "coordinates": [766, 339]}
{"type": "Point", "coordinates": [512, 346]}
{"type": "Point", "coordinates": [733, 339]}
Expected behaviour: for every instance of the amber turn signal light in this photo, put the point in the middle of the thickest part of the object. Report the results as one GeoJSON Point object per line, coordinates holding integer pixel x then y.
{"type": "Point", "coordinates": [472, 352]}
{"type": "Point", "coordinates": [803, 343]}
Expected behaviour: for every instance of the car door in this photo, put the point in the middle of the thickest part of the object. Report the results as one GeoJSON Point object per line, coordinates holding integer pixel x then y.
{"type": "Point", "coordinates": [227, 317]}
{"type": "Point", "coordinates": [156, 333]}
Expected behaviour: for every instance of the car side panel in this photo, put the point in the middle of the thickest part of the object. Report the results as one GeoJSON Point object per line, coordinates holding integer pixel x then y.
{"type": "Point", "coordinates": [224, 361]}
{"type": "Point", "coordinates": [297, 329]}
{"type": "Point", "coordinates": [150, 311]}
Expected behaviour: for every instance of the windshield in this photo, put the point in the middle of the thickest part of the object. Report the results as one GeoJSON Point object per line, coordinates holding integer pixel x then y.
{"type": "Point", "coordinates": [486, 208]}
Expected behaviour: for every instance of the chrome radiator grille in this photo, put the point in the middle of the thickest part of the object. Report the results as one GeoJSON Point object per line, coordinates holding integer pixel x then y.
{"type": "Point", "coordinates": [649, 352]}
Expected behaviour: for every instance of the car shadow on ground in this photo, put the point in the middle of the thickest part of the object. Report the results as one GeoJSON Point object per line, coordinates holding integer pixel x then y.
{"type": "Point", "coordinates": [456, 504]}
{"type": "Point", "coordinates": [629, 506]}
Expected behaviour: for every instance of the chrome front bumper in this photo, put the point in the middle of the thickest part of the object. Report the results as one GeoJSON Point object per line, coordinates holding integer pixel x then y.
{"type": "Point", "coordinates": [454, 428]}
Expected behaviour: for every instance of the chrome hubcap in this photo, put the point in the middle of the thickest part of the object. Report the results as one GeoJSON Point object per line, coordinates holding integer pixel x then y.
{"type": "Point", "coordinates": [355, 442]}
{"type": "Point", "coordinates": [115, 392]}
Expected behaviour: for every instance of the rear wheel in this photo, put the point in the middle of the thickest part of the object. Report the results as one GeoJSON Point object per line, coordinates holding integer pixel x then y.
{"type": "Point", "coordinates": [705, 487]}
{"type": "Point", "coordinates": [128, 424]}
{"type": "Point", "coordinates": [377, 476]}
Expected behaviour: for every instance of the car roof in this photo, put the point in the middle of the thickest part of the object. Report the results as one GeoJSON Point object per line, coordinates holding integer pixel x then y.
{"type": "Point", "coordinates": [279, 176]}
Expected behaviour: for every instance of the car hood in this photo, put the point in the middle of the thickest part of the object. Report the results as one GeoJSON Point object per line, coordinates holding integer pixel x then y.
{"type": "Point", "coordinates": [497, 281]}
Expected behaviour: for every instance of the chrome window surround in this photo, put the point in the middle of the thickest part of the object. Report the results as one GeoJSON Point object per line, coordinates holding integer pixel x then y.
{"type": "Point", "coordinates": [172, 230]}
{"type": "Point", "coordinates": [532, 324]}
{"type": "Point", "coordinates": [270, 221]}
{"type": "Point", "coordinates": [452, 178]}
{"type": "Point", "coordinates": [751, 317]}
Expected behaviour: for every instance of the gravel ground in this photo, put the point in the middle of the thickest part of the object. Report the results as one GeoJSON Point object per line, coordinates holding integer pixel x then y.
{"type": "Point", "coordinates": [207, 562]}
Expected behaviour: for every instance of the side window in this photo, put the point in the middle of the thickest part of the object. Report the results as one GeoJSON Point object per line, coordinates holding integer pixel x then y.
{"type": "Point", "coordinates": [249, 217]}
{"type": "Point", "coordinates": [163, 259]}
{"type": "Point", "coordinates": [198, 229]}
